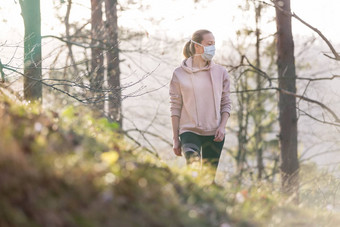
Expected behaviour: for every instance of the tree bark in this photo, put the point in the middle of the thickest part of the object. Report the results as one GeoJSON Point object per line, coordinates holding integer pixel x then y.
{"type": "Point", "coordinates": [259, 105]}
{"type": "Point", "coordinates": [242, 134]}
{"type": "Point", "coordinates": [97, 57]}
{"type": "Point", "coordinates": [289, 165]}
{"type": "Point", "coordinates": [30, 11]}
{"type": "Point", "coordinates": [68, 37]}
{"type": "Point", "coordinates": [113, 71]}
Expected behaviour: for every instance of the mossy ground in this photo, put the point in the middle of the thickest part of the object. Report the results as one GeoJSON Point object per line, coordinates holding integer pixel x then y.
{"type": "Point", "coordinates": [71, 169]}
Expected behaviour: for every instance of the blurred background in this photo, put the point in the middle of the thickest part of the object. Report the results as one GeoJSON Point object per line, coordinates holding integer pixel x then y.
{"type": "Point", "coordinates": [149, 37]}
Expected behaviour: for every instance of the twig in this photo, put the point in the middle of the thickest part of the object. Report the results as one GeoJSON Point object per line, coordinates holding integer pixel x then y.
{"type": "Point", "coordinates": [336, 118]}
{"type": "Point", "coordinates": [336, 55]}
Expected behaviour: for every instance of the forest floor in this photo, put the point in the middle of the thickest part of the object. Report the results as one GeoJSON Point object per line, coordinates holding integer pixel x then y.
{"type": "Point", "coordinates": [68, 168]}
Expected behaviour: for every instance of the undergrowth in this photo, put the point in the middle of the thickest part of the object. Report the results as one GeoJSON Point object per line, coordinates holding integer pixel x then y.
{"type": "Point", "coordinates": [68, 168]}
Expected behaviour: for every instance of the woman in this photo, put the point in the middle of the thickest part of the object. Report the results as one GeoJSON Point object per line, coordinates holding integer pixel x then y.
{"type": "Point", "coordinates": [200, 102]}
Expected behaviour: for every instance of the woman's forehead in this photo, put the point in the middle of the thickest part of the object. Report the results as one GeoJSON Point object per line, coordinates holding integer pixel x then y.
{"type": "Point", "coordinates": [208, 37]}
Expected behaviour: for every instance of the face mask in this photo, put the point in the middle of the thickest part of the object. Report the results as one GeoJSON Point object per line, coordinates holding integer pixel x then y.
{"type": "Point", "coordinates": [209, 51]}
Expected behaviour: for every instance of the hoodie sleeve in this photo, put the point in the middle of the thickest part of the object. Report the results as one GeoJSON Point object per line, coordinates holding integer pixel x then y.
{"type": "Point", "coordinates": [175, 96]}
{"type": "Point", "coordinates": [225, 99]}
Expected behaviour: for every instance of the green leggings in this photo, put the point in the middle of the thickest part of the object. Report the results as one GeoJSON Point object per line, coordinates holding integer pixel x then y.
{"type": "Point", "coordinates": [191, 144]}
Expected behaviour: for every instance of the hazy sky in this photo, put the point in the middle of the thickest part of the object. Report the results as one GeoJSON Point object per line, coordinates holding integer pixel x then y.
{"type": "Point", "coordinates": [179, 18]}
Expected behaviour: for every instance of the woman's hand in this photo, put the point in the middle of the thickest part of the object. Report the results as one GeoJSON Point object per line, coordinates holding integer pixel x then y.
{"type": "Point", "coordinates": [219, 134]}
{"type": "Point", "coordinates": [177, 147]}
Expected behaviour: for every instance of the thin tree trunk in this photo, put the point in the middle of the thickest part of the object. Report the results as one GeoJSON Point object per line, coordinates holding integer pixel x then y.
{"type": "Point", "coordinates": [30, 11]}
{"type": "Point", "coordinates": [97, 57]}
{"type": "Point", "coordinates": [259, 105]}
{"type": "Point", "coordinates": [243, 119]}
{"type": "Point", "coordinates": [287, 103]}
{"type": "Point", "coordinates": [68, 37]}
{"type": "Point", "coordinates": [113, 72]}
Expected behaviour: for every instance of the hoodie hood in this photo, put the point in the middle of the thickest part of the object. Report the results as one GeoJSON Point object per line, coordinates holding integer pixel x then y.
{"type": "Point", "coordinates": [187, 66]}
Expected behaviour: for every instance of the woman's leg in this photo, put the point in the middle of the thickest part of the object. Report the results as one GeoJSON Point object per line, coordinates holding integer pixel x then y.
{"type": "Point", "coordinates": [211, 152]}
{"type": "Point", "coordinates": [191, 147]}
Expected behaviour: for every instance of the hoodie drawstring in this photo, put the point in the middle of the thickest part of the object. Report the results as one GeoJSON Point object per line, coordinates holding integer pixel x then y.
{"type": "Point", "coordinates": [191, 77]}
{"type": "Point", "coordinates": [212, 83]}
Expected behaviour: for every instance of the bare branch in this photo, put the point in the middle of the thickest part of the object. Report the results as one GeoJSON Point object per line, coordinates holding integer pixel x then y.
{"type": "Point", "coordinates": [262, 73]}
{"type": "Point", "coordinates": [311, 79]}
{"type": "Point", "coordinates": [336, 55]}
{"type": "Point", "coordinates": [314, 118]}
{"type": "Point", "coordinates": [312, 101]}
{"type": "Point", "coordinates": [87, 100]}
{"type": "Point", "coordinates": [336, 118]}
{"type": "Point", "coordinates": [72, 42]}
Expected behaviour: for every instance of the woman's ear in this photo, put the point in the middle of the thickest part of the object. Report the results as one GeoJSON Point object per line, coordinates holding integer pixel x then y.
{"type": "Point", "coordinates": [198, 48]}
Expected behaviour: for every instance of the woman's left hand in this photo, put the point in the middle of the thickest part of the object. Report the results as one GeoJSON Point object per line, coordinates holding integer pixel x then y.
{"type": "Point", "coordinates": [219, 134]}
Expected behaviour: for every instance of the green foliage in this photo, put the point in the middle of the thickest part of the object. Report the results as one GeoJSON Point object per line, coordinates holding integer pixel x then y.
{"type": "Point", "coordinates": [70, 169]}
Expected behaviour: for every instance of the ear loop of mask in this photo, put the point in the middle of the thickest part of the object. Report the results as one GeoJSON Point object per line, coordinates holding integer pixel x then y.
{"type": "Point", "coordinates": [198, 44]}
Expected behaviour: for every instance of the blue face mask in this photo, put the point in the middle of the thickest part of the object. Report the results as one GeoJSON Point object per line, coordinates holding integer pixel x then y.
{"type": "Point", "coordinates": [209, 51]}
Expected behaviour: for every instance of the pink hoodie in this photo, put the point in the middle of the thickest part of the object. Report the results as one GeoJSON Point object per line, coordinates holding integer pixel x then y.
{"type": "Point", "coordinates": [199, 97]}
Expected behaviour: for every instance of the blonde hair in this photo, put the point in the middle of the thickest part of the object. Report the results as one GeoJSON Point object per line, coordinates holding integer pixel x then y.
{"type": "Point", "coordinates": [189, 48]}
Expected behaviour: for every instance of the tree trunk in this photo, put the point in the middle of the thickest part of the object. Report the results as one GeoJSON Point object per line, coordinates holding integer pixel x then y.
{"type": "Point", "coordinates": [69, 45]}
{"type": "Point", "coordinates": [113, 72]}
{"type": "Point", "coordinates": [30, 11]}
{"type": "Point", "coordinates": [97, 57]}
{"type": "Point", "coordinates": [287, 103]}
{"type": "Point", "coordinates": [259, 105]}
{"type": "Point", "coordinates": [242, 135]}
